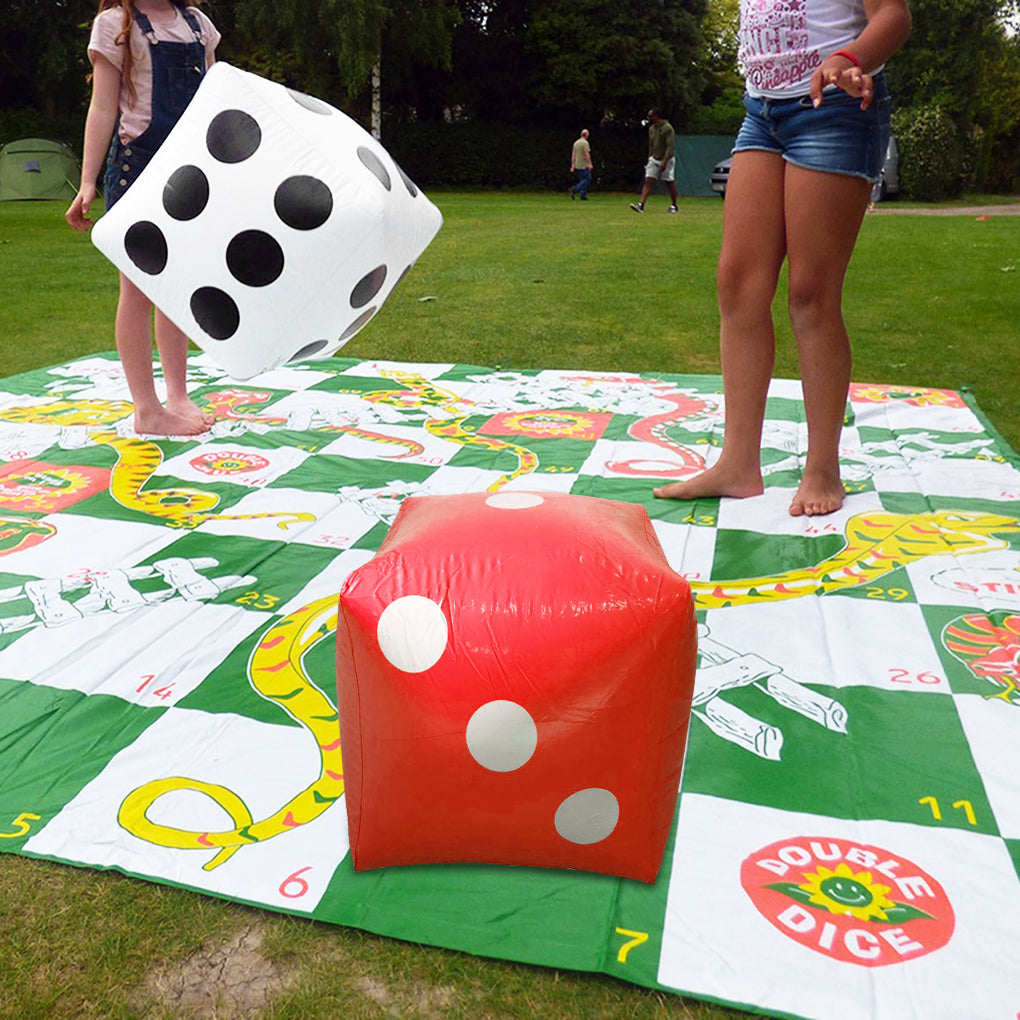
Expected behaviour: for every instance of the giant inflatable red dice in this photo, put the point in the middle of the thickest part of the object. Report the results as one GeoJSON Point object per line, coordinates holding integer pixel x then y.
{"type": "Point", "coordinates": [515, 673]}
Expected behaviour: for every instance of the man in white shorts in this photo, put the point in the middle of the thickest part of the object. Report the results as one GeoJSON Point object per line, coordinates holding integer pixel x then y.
{"type": "Point", "coordinates": [661, 159]}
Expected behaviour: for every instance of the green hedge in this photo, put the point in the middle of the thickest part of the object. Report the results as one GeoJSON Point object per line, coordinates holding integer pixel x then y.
{"type": "Point", "coordinates": [932, 162]}
{"type": "Point", "coordinates": [468, 154]}
{"type": "Point", "coordinates": [22, 122]}
{"type": "Point", "coordinates": [488, 155]}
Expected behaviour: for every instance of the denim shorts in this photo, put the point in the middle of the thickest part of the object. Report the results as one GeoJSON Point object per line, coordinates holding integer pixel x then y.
{"type": "Point", "coordinates": [838, 137]}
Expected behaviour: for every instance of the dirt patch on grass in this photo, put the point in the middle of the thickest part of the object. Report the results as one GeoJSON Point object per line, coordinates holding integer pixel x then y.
{"type": "Point", "coordinates": [429, 1002]}
{"type": "Point", "coordinates": [229, 981]}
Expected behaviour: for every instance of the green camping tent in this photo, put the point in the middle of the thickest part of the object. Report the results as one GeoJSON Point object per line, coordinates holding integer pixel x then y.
{"type": "Point", "coordinates": [38, 168]}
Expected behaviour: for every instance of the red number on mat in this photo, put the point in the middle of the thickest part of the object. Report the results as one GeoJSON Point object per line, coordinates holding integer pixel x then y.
{"type": "Point", "coordinates": [295, 881]}
{"type": "Point", "coordinates": [904, 676]}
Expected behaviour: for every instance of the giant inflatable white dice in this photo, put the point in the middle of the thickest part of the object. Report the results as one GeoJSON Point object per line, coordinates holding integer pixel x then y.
{"type": "Point", "coordinates": [269, 226]}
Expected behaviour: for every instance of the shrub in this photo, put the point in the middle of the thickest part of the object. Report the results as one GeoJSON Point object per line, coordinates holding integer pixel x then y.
{"type": "Point", "coordinates": [723, 116]}
{"type": "Point", "coordinates": [23, 122]}
{"type": "Point", "coordinates": [932, 165]}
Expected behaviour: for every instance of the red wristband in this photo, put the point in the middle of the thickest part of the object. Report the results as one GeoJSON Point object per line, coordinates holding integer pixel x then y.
{"type": "Point", "coordinates": [849, 56]}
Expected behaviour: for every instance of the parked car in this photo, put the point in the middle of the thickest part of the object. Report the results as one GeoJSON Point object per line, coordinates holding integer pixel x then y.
{"type": "Point", "coordinates": [719, 176]}
{"type": "Point", "coordinates": [888, 182]}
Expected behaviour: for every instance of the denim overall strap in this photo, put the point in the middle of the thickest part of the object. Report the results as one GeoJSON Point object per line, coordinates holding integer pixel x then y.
{"type": "Point", "coordinates": [177, 70]}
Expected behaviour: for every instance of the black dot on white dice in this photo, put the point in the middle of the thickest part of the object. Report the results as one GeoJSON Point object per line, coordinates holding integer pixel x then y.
{"type": "Point", "coordinates": [375, 164]}
{"type": "Point", "coordinates": [360, 321]}
{"type": "Point", "coordinates": [233, 136]}
{"type": "Point", "coordinates": [216, 312]}
{"type": "Point", "coordinates": [186, 193]}
{"type": "Point", "coordinates": [408, 183]}
{"type": "Point", "coordinates": [368, 286]}
{"type": "Point", "coordinates": [303, 202]}
{"type": "Point", "coordinates": [146, 246]}
{"type": "Point", "coordinates": [400, 278]}
{"type": "Point", "coordinates": [309, 350]}
{"type": "Point", "coordinates": [311, 103]}
{"type": "Point", "coordinates": [255, 258]}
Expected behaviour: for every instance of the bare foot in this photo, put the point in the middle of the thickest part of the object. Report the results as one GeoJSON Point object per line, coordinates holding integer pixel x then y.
{"type": "Point", "coordinates": [187, 408]}
{"type": "Point", "coordinates": [716, 481]}
{"type": "Point", "coordinates": [164, 422]}
{"type": "Point", "coordinates": [818, 494]}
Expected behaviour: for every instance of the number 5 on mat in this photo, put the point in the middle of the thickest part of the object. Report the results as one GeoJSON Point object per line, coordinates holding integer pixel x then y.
{"type": "Point", "coordinates": [21, 824]}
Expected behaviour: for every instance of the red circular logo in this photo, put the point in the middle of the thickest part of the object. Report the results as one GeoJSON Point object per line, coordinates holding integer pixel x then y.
{"type": "Point", "coordinates": [229, 462]}
{"type": "Point", "coordinates": [852, 902]}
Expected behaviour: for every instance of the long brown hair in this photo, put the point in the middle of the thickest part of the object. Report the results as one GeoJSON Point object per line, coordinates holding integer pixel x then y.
{"type": "Point", "coordinates": [127, 19]}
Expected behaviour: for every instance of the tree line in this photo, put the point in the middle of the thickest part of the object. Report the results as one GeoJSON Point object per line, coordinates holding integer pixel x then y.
{"type": "Point", "coordinates": [509, 65]}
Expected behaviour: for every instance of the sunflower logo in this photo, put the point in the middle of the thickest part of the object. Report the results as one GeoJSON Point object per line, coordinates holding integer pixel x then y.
{"type": "Point", "coordinates": [847, 893]}
{"type": "Point", "coordinates": [855, 903]}
{"type": "Point", "coordinates": [843, 892]}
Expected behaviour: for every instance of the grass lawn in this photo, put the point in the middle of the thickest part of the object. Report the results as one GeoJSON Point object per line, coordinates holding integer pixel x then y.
{"type": "Point", "coordinates": [512, 280]}
{"type": "Point", "coordinates": [534, 280]}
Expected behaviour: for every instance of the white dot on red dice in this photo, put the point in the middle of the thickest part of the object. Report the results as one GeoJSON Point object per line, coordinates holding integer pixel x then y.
{"type": "Point", "coordinates": [501, 736]}
{"type": "Point", "coordinates": [587, 816]}
{"type": "Point", "coordinates": [515, 500]}
{"type": "Point", "coordinates": [412, 633]}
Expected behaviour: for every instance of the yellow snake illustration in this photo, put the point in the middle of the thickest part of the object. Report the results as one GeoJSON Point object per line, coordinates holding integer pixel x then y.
{"type": "Point", "coordinates": [419, 392]}
{"type": "Point", "coordinates": [876, 543]}
{"type": "Point", "coordinates": [276, 672]}
{"type": "Point", "coordinates": [137, 462]}
{"type": "Point", "coordinates": [412, 448]}
{"type": "Point", "coordinates": [69, 412]}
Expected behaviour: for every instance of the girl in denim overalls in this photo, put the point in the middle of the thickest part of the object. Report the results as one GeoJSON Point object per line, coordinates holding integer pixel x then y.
{"type": "Point", "coordinates": [809, 149]}
{"type": "Point", "coordinates": [148, 58]}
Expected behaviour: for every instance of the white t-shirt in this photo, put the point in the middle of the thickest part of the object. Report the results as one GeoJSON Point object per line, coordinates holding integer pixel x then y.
{"type": "Point", "coordinates": [134, 118]}
{"type": "Point", "coordinates": [783, 41]}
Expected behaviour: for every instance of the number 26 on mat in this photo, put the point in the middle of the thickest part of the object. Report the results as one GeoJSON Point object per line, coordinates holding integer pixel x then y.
{"type": "Point", "coordinates": [904, 676]}
{"type": "Point", "coordinates": [22, 825]}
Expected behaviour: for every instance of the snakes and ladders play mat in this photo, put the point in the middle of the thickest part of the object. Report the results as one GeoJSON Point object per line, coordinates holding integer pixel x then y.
{"type": "Point", "coordinates": [847, 835]}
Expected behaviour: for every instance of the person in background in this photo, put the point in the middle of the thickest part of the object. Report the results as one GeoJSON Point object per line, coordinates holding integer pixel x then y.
{"type": "Point", "coordinates": [661, 160]}
{"type": "Point", "coordinates": [811, 147]}
{"type": "Point", "coordinates": [581, 164]}
{"type": "Point", "coordinates": [148, 58]}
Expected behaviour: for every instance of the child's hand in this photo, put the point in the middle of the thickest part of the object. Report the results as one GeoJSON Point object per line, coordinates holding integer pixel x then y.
{"type": "Point", "coordinates": [77, 214]}
{"type": "Point", "coordinates": [843, 73]}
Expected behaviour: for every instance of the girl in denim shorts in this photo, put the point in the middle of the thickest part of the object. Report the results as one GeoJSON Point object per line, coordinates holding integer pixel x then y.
{"type": "Point", "coordinates": [812, 143]}
{"type": "Point", "coordinates": [148, 58]}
